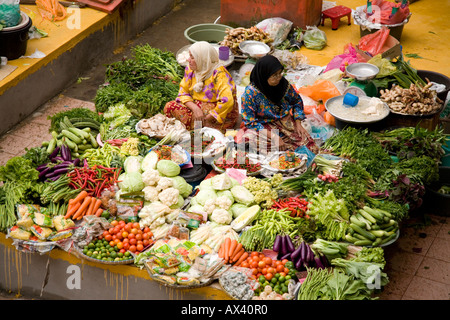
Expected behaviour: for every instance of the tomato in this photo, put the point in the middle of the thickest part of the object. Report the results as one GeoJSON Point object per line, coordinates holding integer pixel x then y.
{"type": "Point", "coordinates": [111, 230]}
{"type": "Point", "coordinates": [268, 276]}
{"type": "Point", "coordinates": [254, 264]}
{"type": "Point", "coordinates": [254, 271]}
{"type": "Point", "coordinates": [139, 247]}
{"type": "Point", "coordinates": [126, 245]}
{"type": "Point", "coordinates": [145, 236]}
{"type": "Point", "coordinates": [264, 271]}
{"type": "Point", "coordinates": [108, 237]}
{"type": "Point", "coordinates": [125, 240]}
{"type": "Point", "coordinates": [134, 230]}
{"type": "Point", "coordinates": [122, 223]}
{"type": "Point", "coordinates": [114, 237]}
{"type": "Point", "coordinates": [145, 242]}
{"type": "Point", "coordinates": [136, 225]}
{"type": "Point", "coordinates": [122, 250]}
{"type": "Point", "coordinates": [119, 245]}
{"type": "Point", "coordinates": [254, 254]}
{"type": "Point", "coordinates": [128, 227]}
{"type": "Point", "coordinates": [271, 270]}
{"type": "Point", "coordinates": [261, 264]}
{"type": "Point", "coordinates": [261, 256]}
{"type": "Point", "coordinates": [255, 259]}
{"type": "Point", "coordinates": [282, 274]}
{"type": "Point", "coordinates": [100, 237]}
{"type": "Point", "coordinates": [131, 236]}
{"type": "Point", "coordinates": [286, 270]}
{"type": "Point", "coordinates": [146, 229]}
{"type": "Point", "coordinates": [119, 236]}
{"type": "Point", "coordinates": [245, 264]}
{"type": "Point", "coordinates": [150, 234]}
{"type": "Point", "coordinates": [279, 268]}
{"type": "Point", "coordinates": [268, 261]}
{"type": "Point", "coordinates": [112, 243]}
{"type": "Point", "coordinates": [139, 236]}
{"type": "Point", "coordinates": [132, 248]}
{"type": "Point", "coordinates": [284, 261]}
{"type": "Point", "coordinates": [114, 223]}
{"type": "Point", "coordinates": [105, 233]}
{"type": "Point", "coordinates": [278, 262]}
{"type": "Point", "coordinates": [133, 241]}
{"type": "Point", "coordinates": [125, 234]}
{"type": "Point", "coordinates": [116, 229]}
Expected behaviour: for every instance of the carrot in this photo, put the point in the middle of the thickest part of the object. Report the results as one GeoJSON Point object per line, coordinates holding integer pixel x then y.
{"type": "Point", "coordinates": [233, 245]}
{"type": "Point", "coordinates": [221, 250]}
{"type": "Point", "coordinates": [82, 209]}
{"type": "Point", "coordinates": [83, 194]}
{"type": "Point", "coordinates": [227, 244]}
{"type": "Point", "coordinates": [99, 212]}
{"type": "Point", "coordinates": [96, 206]}
{"type": "Point", "coordinates": [238, 248]}
{"type": "Point", "coordinates": [242, 258]}
{"type": "Point", "coordinates": [91, 206]}
{"type": "Point", "coordinates": [72, 210]}
{"type": "Point", "coordinates": [238, 255]}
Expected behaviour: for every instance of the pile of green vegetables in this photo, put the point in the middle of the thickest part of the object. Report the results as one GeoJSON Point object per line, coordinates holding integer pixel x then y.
{"type": "Point", "coordinates": [144, 82]}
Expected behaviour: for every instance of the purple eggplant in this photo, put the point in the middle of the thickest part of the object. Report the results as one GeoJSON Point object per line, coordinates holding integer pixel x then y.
{"type": "Point", "coordinates": [53, 178]}
{"type": "Point", "coordinates": [286, 256]}
{"type": "Point", "coordinates": [57, 158]}
{"type": "Point", "coordinates": [299, 264]}
{"type": "Point", "coordinates": [54, 153]}
{"type": "Point", "coordinates": [283, 250]}
{"type": "Point", "coordinates": [324, 260]}
{"type": "Point", "coordinates": [57, 172]}
{"type": "Point", "coordinates": [76, 162]}
{"type": "Point", "coordinates": [304, 251]}
{"type": "Point", "coordinates": [277, 244]}
{"type": "Point", "coordinates": [42, 167]}
{"type": "Point", "coordinates": [318, 263]}
{"type": "Point", "coordinates": [289, 245]}
{"type": "Point", "coordinates": [44, 172]}
{"type": "Point", "coordinates": [65, 153]}
{"type": "Point", "coordinates": [309, 254]}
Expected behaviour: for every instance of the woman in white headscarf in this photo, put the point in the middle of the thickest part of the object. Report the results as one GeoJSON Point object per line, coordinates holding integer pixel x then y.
{"type": "Point", "coordinates": [207, 95]}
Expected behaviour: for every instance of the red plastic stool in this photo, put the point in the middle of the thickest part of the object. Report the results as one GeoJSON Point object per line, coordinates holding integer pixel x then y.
{"type": "Point", "coordinates": [335, 14]}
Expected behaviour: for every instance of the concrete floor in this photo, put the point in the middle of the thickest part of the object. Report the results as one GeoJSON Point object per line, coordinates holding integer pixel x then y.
{"type": "Point", "coordinates": [417, 264]}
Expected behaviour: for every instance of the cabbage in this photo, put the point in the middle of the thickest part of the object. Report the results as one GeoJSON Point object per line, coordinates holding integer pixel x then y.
{"type": "Point", "coordinates": [221, 182]}
{"type": "Point", "coordinates": [225, 193]}
{"type": "Point", "coordinates": [237, 209]}
{"type": "Point", "coordinates": [181, 185]}
{"type": "Point", "coordinates": [131, 182]}
{"type": "Point", "coordinates": [150, 160]}
{"type": "Point", "coordinates": [242, 195]}
{"type": "Point", "coordinates": [205, 184]}
{"type": "Point", "coordinates": [193, 201]}
{"type": "Point", "coordinates": [197, 208]}
{"type": "Point", "coordinates": [132, 164]}
{"type": "Point", "coordinates": [168, 168]}
{"type": "Point", "coordinates": [234, 182]}
{"type": "Point", "coordinates": [179, 204]}
{"type": "Point", "coordinates": [204, 195]}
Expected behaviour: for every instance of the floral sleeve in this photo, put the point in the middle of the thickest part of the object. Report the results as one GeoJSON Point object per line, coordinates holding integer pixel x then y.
{"type": "Point", "coordinates": [295, 100]}
{"type": "Point", "coordinates": [184, 94]}
{"type": "Point", "coordinates": [249, 106]}
{"type": "Point", "coordinates": [225, 91]}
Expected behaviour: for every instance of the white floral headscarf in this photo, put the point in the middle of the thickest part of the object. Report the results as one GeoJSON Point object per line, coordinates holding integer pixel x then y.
{"type": "Point", "coordinates": [207, 60]}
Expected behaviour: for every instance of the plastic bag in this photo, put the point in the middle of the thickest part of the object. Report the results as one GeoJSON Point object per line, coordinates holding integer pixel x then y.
{"type": "Point", "coordinates": [341, 61]}
{"type": "Point", "coordinates": [10, 13]}
{"type": "Point", "coordinates": [386, 67]}
{"type": "Point", "coordinates": [319, 128]}
{"type": "Point", "coordinates": [314, 38]}
{"type": "Point", "coordinates": [373, 43]}
{"type": "Point", "coordinates": [321, 90]}
{"type": "Point", "coordinates": [387, 12]}
{"type": "Point", "coordinates": [277, 28]}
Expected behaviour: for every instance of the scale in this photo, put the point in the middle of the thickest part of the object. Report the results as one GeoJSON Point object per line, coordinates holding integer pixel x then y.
{"type": "Point", "coordinates": [362, 74]}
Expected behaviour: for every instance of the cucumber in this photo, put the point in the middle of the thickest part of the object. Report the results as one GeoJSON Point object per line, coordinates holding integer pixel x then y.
{"type": "Point", "coordinates": [93, 141]}
{"type": "Point", "coordinates": [389, 224]}
{"type": "Point", "coordinates": [367, 216]}
{"type": "Point", "coordinates": [89, 120]}
{"type": "Point", "coordinates": [55, 134]}
{"type": "Point", "coordinates": [351, 239]}
{"type": "Point", "coordinates": [366, 222]}
{"type": "Point", "coordinates": [67, 122]}
{"type": "Point", "coordinates": [45, 144]}
{"type": "Point", "coordinates": [71, 136]}
{"type": "Point", "coordinates": [387, 239]}
{"type": "Point", "coordinates": [59, 142]}
{"type": "Point", "coordinates": [362, 243]}
{"type": "Point", "coordinates": [84, 146]}
{"type": "Point", "coordinates": [362, 232]}
{"type": "Point", "coordinates": [63, 126]}
{"type": "Point", "coordinates": [72, 145]}
{"type": "Point", "coordinates": [377, 242]}
{"type": "Point", "coordinates": [359, 236]}
{"type": "Point", "coordinates": [357, 222]}
{"type": "Point", "coordinates": [87, 129]}
{"type": "Point", "coordinates": [378, 233]}
{"type": "Point", "coordinates": [91, 125]}
{"type": "Point", "coordinates": [374, 213]}
{"type": "Point", "coordinates": [82, 134]}
{"type": "Point", "coordinates": [51, 146]}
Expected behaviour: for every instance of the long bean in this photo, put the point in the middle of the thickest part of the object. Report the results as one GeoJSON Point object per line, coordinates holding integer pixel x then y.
{"type": "Point", "coordinates": [316, 278]}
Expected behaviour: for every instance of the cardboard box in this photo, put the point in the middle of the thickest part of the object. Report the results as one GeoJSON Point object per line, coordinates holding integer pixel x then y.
{"type": "Point", "coordinates": [390, 50]}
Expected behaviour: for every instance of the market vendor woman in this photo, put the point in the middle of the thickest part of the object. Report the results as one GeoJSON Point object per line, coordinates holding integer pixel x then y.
{"type": "Point", "coordinates": [272, 110]}
{"type": "Point", "coordinates": [207, 95]}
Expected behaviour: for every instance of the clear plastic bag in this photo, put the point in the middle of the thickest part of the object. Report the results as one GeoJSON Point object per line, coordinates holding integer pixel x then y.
{"type": "Point", "coordinates": [277, 28]}
{"type": "Point", "coordinates": [314, 38]}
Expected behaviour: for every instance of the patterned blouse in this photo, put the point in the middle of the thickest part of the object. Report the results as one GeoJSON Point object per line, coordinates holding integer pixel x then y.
{"type": "Point", "coordinates": [219, 88]}
{"type": "Point", "coordinates": [258, 110]}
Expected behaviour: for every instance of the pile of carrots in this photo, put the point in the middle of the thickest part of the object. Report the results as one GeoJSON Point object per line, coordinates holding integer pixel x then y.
{"type": "Point", "coordinates": [232, 252]}
{"type": "Point", "coordinates": [51, 10]}
{"type": "Point", "coordinates": [83, 205]}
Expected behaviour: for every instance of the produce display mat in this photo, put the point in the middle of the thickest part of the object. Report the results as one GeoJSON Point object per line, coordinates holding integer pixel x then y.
{"type": "Point", "coordinates": [227, 292]}
{"type": "Point", "coordinates": [177, 286]}
{"type": "Point", "coordinates": [80, 254]}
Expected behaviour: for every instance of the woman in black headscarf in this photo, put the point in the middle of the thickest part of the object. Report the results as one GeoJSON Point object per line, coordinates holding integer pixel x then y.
{"type": "Point", "coordinates": [272, 110]}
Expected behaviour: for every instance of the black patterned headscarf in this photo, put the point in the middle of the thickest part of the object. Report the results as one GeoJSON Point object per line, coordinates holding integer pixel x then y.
{"type": "Point", "coordinates": [263, 69]}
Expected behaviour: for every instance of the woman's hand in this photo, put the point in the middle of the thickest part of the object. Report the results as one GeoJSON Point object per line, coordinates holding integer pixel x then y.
{"type": "Point", "coordinates": [197, 113]}
{"type": "Point", "coordinates": [300, 130]}
{"type": "Point", "coordinates": [208, 119]}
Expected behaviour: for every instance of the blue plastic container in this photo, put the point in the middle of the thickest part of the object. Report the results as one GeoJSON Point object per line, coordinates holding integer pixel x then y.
{"type": "Point", "coordinates": [350, 100]}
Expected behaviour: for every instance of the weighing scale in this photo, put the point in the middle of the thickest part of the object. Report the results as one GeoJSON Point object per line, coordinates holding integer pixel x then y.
{"type": "Point", "coordinates": [362, 73]}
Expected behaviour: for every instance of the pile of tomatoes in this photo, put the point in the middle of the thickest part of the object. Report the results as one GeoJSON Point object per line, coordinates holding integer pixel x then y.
{"type": "Point", "coordinates": [265, 266]}
{"type": "Point", "coordinates": [128, 236]}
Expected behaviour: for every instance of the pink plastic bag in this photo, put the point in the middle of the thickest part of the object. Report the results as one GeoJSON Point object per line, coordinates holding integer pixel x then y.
{"type": "Point", "coordinates": [373, 43]}
{"type": "Point", "coordinates": [382, 12]}
{"type": "Point", "coordinates": [343, 60]}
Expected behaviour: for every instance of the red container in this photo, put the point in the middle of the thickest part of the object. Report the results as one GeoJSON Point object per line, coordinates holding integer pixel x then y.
{"type": "Point", "coordinates": [247, 13]}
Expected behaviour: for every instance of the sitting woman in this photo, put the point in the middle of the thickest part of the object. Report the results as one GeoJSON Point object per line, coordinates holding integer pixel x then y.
{"type": "Point", "coordinates": [207, 95]}
{"type": "Point", "coordinates": [272, 110]}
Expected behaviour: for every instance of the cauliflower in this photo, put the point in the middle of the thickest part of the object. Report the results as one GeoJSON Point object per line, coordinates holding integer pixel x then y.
{"type": "Point", "coordinates": [262, 191]}
{"type": "Point", "coordinates": [221, 216]}
{"type": "Point", "coordinates": [169, 196]}
{"type": "Point", "coordinates": [209, 206]}
{"type": "Point", "coordinates": [223, 202]}
{"type": "Point", "coordinates": [150, 193]}
{"type": "Point", "coordinates": [150, 177]}
{"type": "Point", "coordinates": [164, 183]}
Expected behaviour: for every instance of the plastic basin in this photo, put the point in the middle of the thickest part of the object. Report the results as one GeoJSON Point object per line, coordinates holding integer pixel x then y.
{"type": "Point", "coordinates": [209, 32]}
